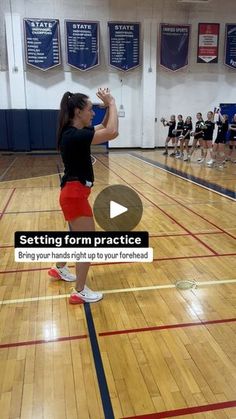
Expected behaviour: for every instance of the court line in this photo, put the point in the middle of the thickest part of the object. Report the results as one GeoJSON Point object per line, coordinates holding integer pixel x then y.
{"type": "Point", "coordinates": [42, 341]}
{"type": "Point", "coordinates": [184, 176]}
{"type": "Point", "coordinates": [185, 411]}
{"type": "Point", "coordinates": [175, 200]}
{"type": "Point", "coordinates": [101, 377]}
{"type": "Point", "coordinates": [115, 332]}
{"type": "Point", "coordinates": [160, 209]}
{"type": "Point", "coordinates": [123, 263]}
{"type": "Point", "coordinates": [117, 291]}
{"type": "Point", "coordinates": [7, 169]}
{"type": "Point", "coordinates": [170, 197]}
{"type": "Point", "coordinates": [33, 211]}
{"type": "Point", "coordinates": [165, 327]}
{"type": "Point", "coordinates": [8, 201]}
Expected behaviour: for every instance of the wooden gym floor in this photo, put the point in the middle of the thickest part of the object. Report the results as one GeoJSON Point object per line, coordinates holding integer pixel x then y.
{"type": "Point", "coordinates": [147, 350]}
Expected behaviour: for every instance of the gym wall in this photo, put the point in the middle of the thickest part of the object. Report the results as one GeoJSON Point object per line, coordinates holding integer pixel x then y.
{"type": "Point", "coordinates": [145, 96]}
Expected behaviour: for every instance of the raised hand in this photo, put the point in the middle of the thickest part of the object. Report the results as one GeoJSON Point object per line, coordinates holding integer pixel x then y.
{"type": "Point", "coordinates": [105, 96]}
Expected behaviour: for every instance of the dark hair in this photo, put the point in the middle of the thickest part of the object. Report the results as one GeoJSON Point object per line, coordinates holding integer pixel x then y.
{"type": "Point", "coordinates": [199, 113]}
{"type": "Point", "coordinates": [181, 116]}
{"type": "Point", "coordinates": [69, 102]}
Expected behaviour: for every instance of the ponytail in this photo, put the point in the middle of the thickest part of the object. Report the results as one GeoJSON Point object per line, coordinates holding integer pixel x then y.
{"type": "Point", "coordinates": [70, 101]}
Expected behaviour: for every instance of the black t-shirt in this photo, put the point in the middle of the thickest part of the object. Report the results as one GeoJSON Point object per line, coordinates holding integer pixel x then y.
{"type": "Point", "coordinates": [172, 126]}
{"type": "Point", "coordinates": [187, 127]}
{"type": "Point", "coordinates": [198, 129]}
{"type": "Point", "coordinates": [208, 131]}
{"type": "Point", "coordinates": [233, 133]}
{"type": "Point", "coordinates": [75, 153]}
{"type": "Point", "coordinates": [222, 130]}
{"type": "Point", "coordinates": [179, 129]}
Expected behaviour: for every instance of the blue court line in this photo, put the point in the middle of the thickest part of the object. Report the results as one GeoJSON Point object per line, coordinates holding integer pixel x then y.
{"type": "Point", "coordinates": [201, 182]}
{"type": "Point", "coordinates": [102, 382]}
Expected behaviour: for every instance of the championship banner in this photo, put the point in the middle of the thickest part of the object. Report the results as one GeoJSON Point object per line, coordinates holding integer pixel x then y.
{"type": "Point", "coordinates": [174, 46]}
{"type": "Point", "coordinates": [208, 42]}
{"type": "Point", "coordinates": [82, 44]}
{"type": "Point", "coordinates": [124, 41]}
{"type": "Point", "coordinates": [230, 46]}
{"type": "Point", "coordinates": [42, 46]}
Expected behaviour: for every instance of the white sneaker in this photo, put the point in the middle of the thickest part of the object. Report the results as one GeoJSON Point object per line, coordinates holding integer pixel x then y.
{"type": "Point", "coordinates": [210, 162]}
{"type": "Point", "coordinates": [201, 160]}
{"type": "Point", "coordinates": [85, 296]}
{"type": "Point", "coordinates": [62, 273]}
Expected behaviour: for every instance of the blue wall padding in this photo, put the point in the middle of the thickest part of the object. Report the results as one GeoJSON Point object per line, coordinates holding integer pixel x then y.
{"type": "Point", "coordinates": [35, 129]}
{"type": "Point", "coordinates": [25, 130]}
{"type": "Point", "coordinates": [3, 130]}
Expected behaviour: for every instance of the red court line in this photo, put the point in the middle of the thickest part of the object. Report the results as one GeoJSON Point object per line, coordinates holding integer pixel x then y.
{"type": "Point", "coordinates": [4, 209]}
{"type": "Point", "coordinates": [5, 246]}
{"type": "Point", "coordinates": [173, 199]}
{"type": "Point", "coordinates": [209, 232]}
{"type": "Point", "coordinates": [123, 263]}
{"type": "Point", "coordinates": [186, 411]}
{"type": "Point", "coordinates": [116, 332]}
{"type": "Point", "coordinates": [33, 211]}
{"type": "Point", "coordinates": [41, 341]}
{"type": "Point", "coordinates": [161, 209]}
{"type": "Point", "coordinates": [165, 327]}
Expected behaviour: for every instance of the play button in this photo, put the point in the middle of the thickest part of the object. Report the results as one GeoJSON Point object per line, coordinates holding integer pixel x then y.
{"type": "Point", "coordinates": [118, 208]}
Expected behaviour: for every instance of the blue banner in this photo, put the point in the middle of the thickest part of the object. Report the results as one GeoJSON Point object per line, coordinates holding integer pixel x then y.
{"type": "Point", "coordinates": [82, 41]}
{"type": "Point", "coordinates": [124, 39]}
{"type": "Point", "coordinates": [174, 46]}
{"type": "Point", "coordinates": [230, 45]}
{"type": "Point", "coordinates": [42, 46]}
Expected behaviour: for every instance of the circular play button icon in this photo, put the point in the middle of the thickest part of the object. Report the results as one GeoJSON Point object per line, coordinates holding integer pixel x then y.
{"type": "Point", "coordinates": [118, 208]}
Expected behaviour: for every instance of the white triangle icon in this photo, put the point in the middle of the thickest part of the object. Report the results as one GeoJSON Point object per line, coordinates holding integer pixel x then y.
{"type": "Point", "coordinates": [116, 209]}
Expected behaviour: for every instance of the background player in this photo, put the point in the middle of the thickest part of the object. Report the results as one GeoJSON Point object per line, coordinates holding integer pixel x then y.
{"type": "Point", "coordinates": [198, 135]}
{"type": "Point", "coordinates": [232, 139]}
{"type": "Point", "coordinates": [177, 132]}
{"type": "Point", "coordinates": [218, 150]}
{"type": "Point", "coordinates": [209, 126]}
{"type": "Point", "coordinates": [184, 139]}
{"type": "Point", "coordinates": [171, 136]}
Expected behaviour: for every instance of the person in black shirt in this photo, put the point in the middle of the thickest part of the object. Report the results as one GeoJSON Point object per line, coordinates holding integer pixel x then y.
{"type": "Point", "coordinates": [198, 135]}
{"type": "Point", "coordinates": [209, 126]}
{"type": "Point", "coordinates": [232, 139]}
{"type": "Point", "coordinates": [75, 136]}
{"type": "Point", "coordinates": [177, 132]}
{"type": "Point", "coordinates": [218, 150]}
{"type": "Point", "coordinates": [171, 136]}
{"type": "Point", "coordinates": [184, 139]}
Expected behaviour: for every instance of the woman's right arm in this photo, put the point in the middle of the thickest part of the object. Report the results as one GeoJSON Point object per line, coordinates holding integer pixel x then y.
{"type": "Point", "coordinates": [110, 131]}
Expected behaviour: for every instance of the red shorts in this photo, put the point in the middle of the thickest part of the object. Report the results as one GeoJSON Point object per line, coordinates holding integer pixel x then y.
{"type": "Point", "coordinates": [74, 200]}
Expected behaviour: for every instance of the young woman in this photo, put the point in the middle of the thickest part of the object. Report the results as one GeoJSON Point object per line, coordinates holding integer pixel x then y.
{"type": "Point", "coordinates": [218, 150]}
{"type": "Point", "coordinates": [198, 135]}
{"type": "Point", "coordinates": [171, 136]}
{"type": "Point", "coordinates": [184, 139]}
{"type": "Point", "coordinates": [75, 136]}
{"type": "Point", "coordinates": [232, 139]}
{"type": "Point", "coordinates": [209, 126]}
{"type": "Point", "coordinates": [177, 132]}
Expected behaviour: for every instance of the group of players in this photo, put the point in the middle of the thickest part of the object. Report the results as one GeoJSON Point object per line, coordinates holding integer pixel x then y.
{"type": "Point", "coordinates": [180, 132]}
